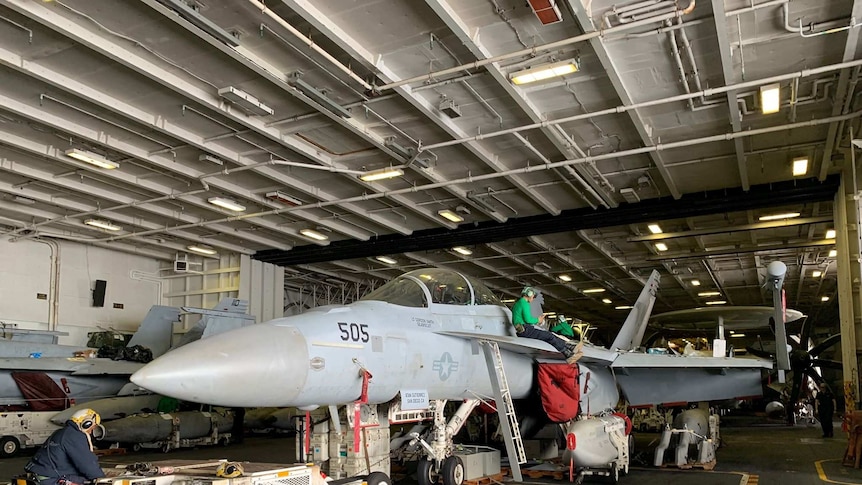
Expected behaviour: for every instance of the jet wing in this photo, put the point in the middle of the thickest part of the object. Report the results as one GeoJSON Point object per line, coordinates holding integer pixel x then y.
{"type": "Point", "coordinates": [74, 366]}
{"type": "Point", "coordinates": [537, 348]}
{"type": "Point", "coordinates": [648, 379]}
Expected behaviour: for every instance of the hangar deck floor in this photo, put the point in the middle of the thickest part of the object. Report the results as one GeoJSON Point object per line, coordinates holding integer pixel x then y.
{"type": "Point", "coordinates": [751, 455]}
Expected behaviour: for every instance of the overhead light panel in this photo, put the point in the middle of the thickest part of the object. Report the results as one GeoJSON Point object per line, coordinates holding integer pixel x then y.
{"type": "Point", "coordinates": [101, 224]}
{"type": "Point", "coordinates": [770, 98]}
{"type": "Point", "coordinates": [544, 71]}
{"type": "Point", "coordinates": [737, 335]}
{"type": "Point", "coordinates": [382, 174]}
{"type": "Point", "coordinates": [386, 259]}
{"type": "Point", "coordinates": [318, 96]}
{"type": "Point", "coordinates": [449, 108]}
{"type": "Point", "coordinates": [547, 11]}
{"type": "Point", "coordinates": [91, 158]}
{"type": "Point", "coordinates": [312, 234]}
{"type": "Point", "coordinates": [450, 215]}
{"type": "Point", "coordinates": [624, 307]}
{"type": "Point", "coordinates": [564, 277]}
{"type": "Point", "coordinates": [800, 166]}
{"type": "Point", "coordinates": [695, 282]}
{"type": "Point", "coordinates": [206, 157]}
{"type": "Point", "coordinates": [654, 228]}
{"type": "Point", "coordinates": [830, 234]}
{"type": "Point", "coordinates": [661, 246]}
{"type": "Point", "coordinates": [283, 198]}
{"type": "Point", "coordinates": [593, 290]}
{"type": "Point", "coordinates": [816, 274]}
{"type": "Point", "coordinates": [226, 203]}
{"type": "Point", "coordinates": [630, 195]}
{"type": "Point", "coordinates": [245, 101]}
{"type": "Point", "coordinates": [462, 250]}
{"type": "Point", "coordinates": [606, 301]}
{"type": "Point", "coordinates": [201, 22]}
{"type": "Point", "coordinates": [507, 300]}
{"type": "Point", "coordinates": [778, 217]}
{"type": "Point", "coordinates": [198, 248]}
{"type": "Point", "coordinates": [824, 298]}
{"type": "Point", "coordinates": [709, 293]}
{"type": "Point", "coordinates": [716, 302]}
{"type": "Point", "coordinates": [833, 253]}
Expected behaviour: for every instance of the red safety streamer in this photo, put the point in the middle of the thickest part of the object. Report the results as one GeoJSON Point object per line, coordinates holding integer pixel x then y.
{"type": "Point", "coordinates": [363, 398]}
{"type": "Point", "coordinates": [307, 435]}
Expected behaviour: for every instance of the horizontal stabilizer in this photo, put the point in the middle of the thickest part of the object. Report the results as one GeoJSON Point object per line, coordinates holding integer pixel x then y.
{"type": "Point", "coordinates": [537, 348]}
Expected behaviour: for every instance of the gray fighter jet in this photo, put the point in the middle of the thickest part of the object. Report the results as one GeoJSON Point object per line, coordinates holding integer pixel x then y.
{"type": "Point", "coordinates": [426, 332]}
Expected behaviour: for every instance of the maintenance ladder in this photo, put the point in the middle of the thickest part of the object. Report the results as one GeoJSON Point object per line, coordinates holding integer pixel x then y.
{"type": "Point", "coordinates": [505, 408]}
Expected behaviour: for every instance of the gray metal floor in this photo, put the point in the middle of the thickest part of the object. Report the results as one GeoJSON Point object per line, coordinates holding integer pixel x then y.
{"type": "Point", "coordinates": [751, 455]}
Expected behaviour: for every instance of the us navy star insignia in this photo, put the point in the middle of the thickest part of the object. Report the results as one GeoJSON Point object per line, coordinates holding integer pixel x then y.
{"type": "Point", "coordinates": [445, 366]}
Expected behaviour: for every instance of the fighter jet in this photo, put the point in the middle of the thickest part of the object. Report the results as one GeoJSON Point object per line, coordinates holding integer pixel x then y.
{"type": "Point", "coordinates": [440, 334]}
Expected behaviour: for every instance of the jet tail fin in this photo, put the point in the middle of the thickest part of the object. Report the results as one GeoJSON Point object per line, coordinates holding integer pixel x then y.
{"type": "Point", "coordinates": [632, 332]}
{"type": "Point", "coordinates": [156, 329]}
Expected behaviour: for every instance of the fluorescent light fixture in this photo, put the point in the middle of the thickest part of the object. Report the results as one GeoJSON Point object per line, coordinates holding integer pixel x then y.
{"type": "Point", "coordinates": [800, 166]}
{"type": "Point", "coordinates": [565, 277]}
{"type": "Point", "coordinates": [824, 298]}
{"type": "Point", "coordinates": [508, 300]}
{"type": "Point", "coordinates": [283, 198]}
{"type": "Point", "coordinates": [544, 71]}
{"type": "Point", "coordinates": [451, 215]}
{"type": "Point", "coordinates": [695, 282]}
{"type": "Point", "coordinates": [661, 246]}
{"type": "Point", "coordinates": [778, 217]}
{"type": "Point", "coordinates": [203, 23]}
{"type": "Point", "coordinates": [317, 96]}
{"type": "Point", "coordinates": [462, 250]}
{"type": "Point", "coordinates": [245, 101]}
{"type": "Point", "coordinates": [816, 274]}
{"type": "Point", "coordinates": [716, 302]}
{"type": "Point", "coordinates": [202, 249]}
{"type": "Point", "coordinates": [709, 293]}
{"type": "Point", "coordinates": [312, 234]}
{"type": "Point", "coordinates": [593, 290]}
{"type": "Point", "coordinates": [654, 228]}
{"type": "Point", "coordinates": [108, 226]}
{"type": "Point", "coordinates": [738, 335]}
{"type": "Point", "coordinates": [624, 307]}
{"type": "Point", "coordinates": [206, 157]}
{"type": "Point", "coordinates": [770, 98]}
{"type": "Point", "coordinates": [606, 301]}
{"type": "Point", "coordinates": [833, 253]}
{"type": "Point", "coordinates": [226, 203]}
{"type": "Point", "coordinates": [382, 174]}
{"type": "Point", "coordinates": [386, 259]}
{"type": "Point", "coordinates": [830, 234]}
{"type": "Point", "coordinates": [91, 158]}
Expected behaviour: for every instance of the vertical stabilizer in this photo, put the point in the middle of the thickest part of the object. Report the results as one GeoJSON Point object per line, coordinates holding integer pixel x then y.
{"type": "Point", "coordinates": [156, 329]}
{"type": "Point", "coordinates": [632, 332]}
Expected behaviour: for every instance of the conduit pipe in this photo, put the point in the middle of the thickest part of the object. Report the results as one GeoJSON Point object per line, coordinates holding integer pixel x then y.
{"type": "Point", "coordinates": [675, 50]}
{"type": "Point", "coordinates": [253, 166]}
{"type": "Point", "coordinates": [316, 48]}
{"type": "Point", "coordinates": [828, 27]}
{"type": "Point", "coordinates": [531, 51]}
{"type": "Point", "coordinates": [505, 173]}
{"type": "Point", "coordinates": [656, 102]}
{"type": "Point", "coordinates": [729, 13]}
{"type": "Point", "coordinates": [53, 284]}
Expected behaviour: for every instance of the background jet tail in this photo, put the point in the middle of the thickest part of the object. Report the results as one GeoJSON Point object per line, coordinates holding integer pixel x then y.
{"type": "Point", "coordinates": [156, 329]}
{"type": "Point", "coordinates": [775, 280]}
{"type": "Point", "coordinates": [632, 332]}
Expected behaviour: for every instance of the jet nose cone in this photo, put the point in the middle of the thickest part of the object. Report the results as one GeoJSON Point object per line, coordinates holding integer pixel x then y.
{"type": "Point", "coordinates": [259, 365]}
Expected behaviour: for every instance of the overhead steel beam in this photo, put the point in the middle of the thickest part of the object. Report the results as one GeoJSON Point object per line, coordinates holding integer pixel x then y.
{"type": "Point", "coordinates": [350, 45]}
{"type": "Point", "coordinates": [843, 93]}
{"type": "Point", "coordinates": [619, 86]}
{"type": "Point", "coordinates": [727, 229]}
{"type": "Point", "coordinates": [719, 16]}
{"type": "Point", "coordinates": [268, 71]}
{"type": "Point", "coordinates": [566, 146]}
{"type": "Point", "coordinates": [778, 246]}
{"type": "Point", "coordinates": [129, 58]}
{"type": "Point", "coordinates": [690, 205]}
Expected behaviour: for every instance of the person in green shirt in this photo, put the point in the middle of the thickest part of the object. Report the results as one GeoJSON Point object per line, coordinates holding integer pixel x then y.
{"type": "Point", "coordinates": [563, 328]}
{"type": "Point", "coordinates": [525, 326]}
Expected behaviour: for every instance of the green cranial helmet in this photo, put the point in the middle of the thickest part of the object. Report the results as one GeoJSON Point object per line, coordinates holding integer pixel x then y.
{"type": "Point", "coordinates": [528, 291]}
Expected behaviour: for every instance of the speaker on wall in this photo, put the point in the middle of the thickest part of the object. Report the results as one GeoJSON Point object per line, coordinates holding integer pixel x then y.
{"type": "Point", "coordinates": [99, 293]}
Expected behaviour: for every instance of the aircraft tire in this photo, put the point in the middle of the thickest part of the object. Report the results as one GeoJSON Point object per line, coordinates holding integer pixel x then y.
{"type": "Point", "coordinates": [378, 478]}
{"type": "Point", "coordinates": [425, 474]}
{"type": "Point", "coordinates": [615, 474]}
{"type": "Point", "coordinates": [453, 471]}
{"type": "Point", "coordinates": [9, 446]}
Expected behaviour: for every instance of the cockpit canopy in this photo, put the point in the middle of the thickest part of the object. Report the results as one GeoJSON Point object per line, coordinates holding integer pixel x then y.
{"type": "Point", "coordinates": [435, 285]}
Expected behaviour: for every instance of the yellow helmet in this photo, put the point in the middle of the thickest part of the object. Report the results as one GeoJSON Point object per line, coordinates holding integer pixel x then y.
{"type": "Point", "coordinates": [229, 469]}
{"type": "Point", "coordinates": [86, 419]}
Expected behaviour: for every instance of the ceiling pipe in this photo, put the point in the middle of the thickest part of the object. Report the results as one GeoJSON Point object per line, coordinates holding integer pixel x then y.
{"type": "Point", "coordinates": [531, 51]}
{"type": "Point", "coordinates": [830, 26]}
{"type": "Point", "coordinates": [690, 23]}
{"type": "Point", "coordinates": [288, 163]}
{"type": "Point", "coordinates": [489, 176]}
{"type": "Point", "coordinates": [656, 102]}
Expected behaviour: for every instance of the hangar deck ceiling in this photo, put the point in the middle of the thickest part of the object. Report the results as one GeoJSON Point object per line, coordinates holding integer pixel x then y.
{"type": "Point", "coordinates": [343, 88]}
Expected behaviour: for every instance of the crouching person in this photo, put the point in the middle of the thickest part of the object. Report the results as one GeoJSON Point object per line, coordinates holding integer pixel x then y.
{"type": "Point", "coordinates": [67, 457]}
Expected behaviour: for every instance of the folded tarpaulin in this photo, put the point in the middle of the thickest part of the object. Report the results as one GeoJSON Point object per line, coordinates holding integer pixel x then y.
{"type": "Point", "coordinates": [40, 391]}
{"type": "Point", "coordinates": [558, 387]}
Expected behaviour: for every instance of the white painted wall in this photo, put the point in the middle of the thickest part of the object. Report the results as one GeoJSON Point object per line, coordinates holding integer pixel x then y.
{"type": "Point", "coordinates": [25, 270]}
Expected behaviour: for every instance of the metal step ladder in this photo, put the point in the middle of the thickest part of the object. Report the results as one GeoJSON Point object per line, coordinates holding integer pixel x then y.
{"type": "Point", "coordinates": [505, 408]}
